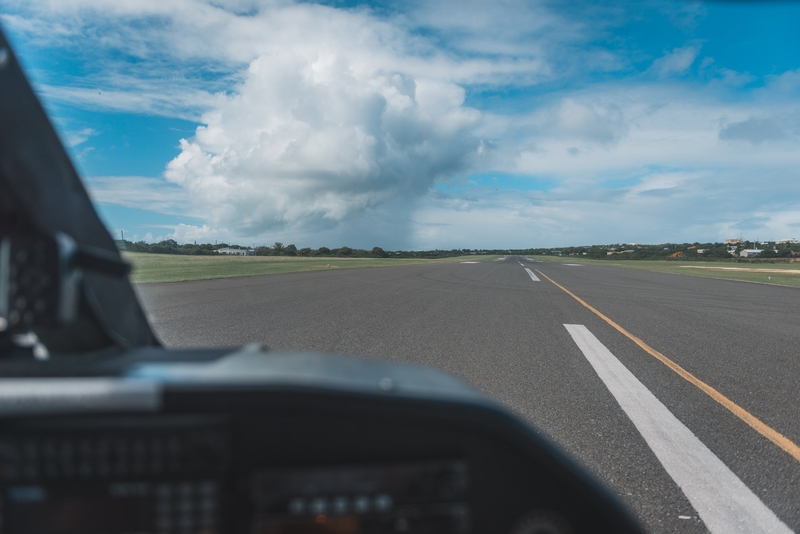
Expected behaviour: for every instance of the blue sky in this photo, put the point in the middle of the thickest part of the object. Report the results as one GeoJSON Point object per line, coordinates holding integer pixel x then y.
{"type": "Point", "coordinates": [425, 125]}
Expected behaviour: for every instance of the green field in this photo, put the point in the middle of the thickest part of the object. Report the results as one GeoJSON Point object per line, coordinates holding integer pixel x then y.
{"type": "Point", "coordinates": [153, 268]}
{"type": "Point", "coordinates": [785, 274]}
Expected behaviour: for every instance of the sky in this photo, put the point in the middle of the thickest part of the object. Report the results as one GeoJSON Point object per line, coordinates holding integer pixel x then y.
{"type": "Point", "coordinates": [424, 125]}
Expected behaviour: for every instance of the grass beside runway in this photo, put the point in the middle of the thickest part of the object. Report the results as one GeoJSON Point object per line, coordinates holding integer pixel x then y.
{"type": "Point", "coordinates": [785, 274]}
{"type": "Point", "coordinates": [154, 268]}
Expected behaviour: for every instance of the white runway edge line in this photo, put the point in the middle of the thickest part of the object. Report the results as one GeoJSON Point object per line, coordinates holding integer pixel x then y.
{"type": "Point", "coordinates": [533, 276]}
{"type": "Point", "coordinates": [723, 502]}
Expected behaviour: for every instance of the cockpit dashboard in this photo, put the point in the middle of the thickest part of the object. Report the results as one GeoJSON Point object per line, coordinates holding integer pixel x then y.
{"type": "Point", "coordinates": [262, 443]}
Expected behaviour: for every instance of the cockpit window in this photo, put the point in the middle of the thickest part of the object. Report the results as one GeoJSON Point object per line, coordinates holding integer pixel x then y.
{"type": "Point", "coordinates": [587, 211]}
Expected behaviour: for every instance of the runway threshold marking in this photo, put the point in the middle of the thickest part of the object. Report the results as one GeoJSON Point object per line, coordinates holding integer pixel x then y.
{"type": "Point", "coordinates": [754, 422]}
{"type": "Point", "coordinates": [533, 276]}
{"type": "Point", "coordinates": [723, 501]}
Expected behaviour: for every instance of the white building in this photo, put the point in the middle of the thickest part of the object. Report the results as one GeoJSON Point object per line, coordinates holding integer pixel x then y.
{"type": "Point", "coordinates": [237, 251]}
{"type": "Point", "coordinates": [750, 252]}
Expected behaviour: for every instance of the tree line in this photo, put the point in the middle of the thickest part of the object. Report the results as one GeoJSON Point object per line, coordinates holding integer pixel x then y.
{"type": "Point", "coordinates": [170, 246]}
{"type": "Point", "coordinates": [618, 251]}
{"type": "Point", "coordinates": [674, 251]}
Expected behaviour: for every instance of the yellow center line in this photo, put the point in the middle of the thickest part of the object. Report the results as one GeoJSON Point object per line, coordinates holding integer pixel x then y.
{"type": "Point", "coordinates": [759, 426]}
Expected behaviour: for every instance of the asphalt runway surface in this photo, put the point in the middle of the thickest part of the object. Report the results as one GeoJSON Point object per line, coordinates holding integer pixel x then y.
{"type": "Point", "coordinates": [512, 337]}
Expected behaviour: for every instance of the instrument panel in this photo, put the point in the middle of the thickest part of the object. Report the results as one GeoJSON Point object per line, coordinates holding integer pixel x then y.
{"type": "Point", "coordinates": [161, 475]}
{"type": "Point", "coordinates": [254, 443]}
{"type": "Point", "coordinates": [178, 475]}
{"type": "Point", "coordinates": [401, 497]}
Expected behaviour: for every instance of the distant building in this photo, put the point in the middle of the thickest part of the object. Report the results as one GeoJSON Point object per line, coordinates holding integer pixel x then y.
{"type": "Point", "coordinates": [236, 251]}
{"type": "Point", "coordinates": [733, 241]}
{"type": "Point", "coordinates": [750, 252]}
{"type": "Point", "coordinates": [787, 241]}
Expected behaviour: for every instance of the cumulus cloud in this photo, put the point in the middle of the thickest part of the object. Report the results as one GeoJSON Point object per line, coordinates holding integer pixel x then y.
{"type": "Point", "coordinates": [316, 134]}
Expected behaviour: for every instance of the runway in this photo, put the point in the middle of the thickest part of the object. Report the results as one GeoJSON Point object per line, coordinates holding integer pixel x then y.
{"type": "Point", "coordinates": [679, 393]}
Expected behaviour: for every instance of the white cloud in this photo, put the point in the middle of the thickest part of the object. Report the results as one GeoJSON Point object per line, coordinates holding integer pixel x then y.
{"type": "Point", "coordinates": [731, 77]}
{"type": "Point", "coordinates": [217, 37]}
{"type": "Point", "coordinates": [165, 98]}
{"type": "Point", "coordinates": [670, 206]}
{"type": "Point", "coordinates": [186, 233]}
{"type": "Point", "coordinates": [77, 137]}
{"type": "Point", "coordinates": [147, 238]}
{"type": "Point", "coordinates": [757, 130]}
{"type": "Point", "coordinates": [677, 61]}
{"type": "Point", "coordinates": [671, 126]}
{"type": "Point", "coordinates": [335, 124]}
{"type": "Point", "coordinates": [154, 194]}
{"type": "Point", "coordinates": [590, 122]}
{"type": "Point", "coordinates": [670, 175]}
{"type": "Point", "coordinates": [787, 82]}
